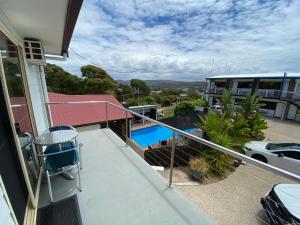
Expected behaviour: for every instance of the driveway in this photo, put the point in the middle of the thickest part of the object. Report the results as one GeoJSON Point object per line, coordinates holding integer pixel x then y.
{"type": "Point", "coordinates": [236, 199]}
{"type": "Point", "coordinates": [282, 131]}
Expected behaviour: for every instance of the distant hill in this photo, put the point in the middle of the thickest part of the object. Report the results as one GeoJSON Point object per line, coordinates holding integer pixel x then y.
{"type": "Point", "coordinates": [161, 84]}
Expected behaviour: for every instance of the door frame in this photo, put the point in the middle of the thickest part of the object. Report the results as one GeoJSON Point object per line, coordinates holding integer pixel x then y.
{"type": "Point", "coordinates": [33, 197]}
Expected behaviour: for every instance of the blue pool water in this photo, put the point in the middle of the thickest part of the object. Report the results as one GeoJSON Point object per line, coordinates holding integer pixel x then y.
{"type": "Point", "coordinates": [151, 135]}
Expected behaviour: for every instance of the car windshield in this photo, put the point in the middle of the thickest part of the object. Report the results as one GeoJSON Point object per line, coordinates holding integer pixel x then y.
{"type": "Point", "coordinates": [278, 146]}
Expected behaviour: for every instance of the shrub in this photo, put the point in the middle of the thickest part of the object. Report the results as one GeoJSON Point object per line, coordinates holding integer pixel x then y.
{"type": "Point", "coordinates": [219, 162]}
{"type": "Point", "coordinates": [214, 122]}
{"type": "Point", "coordinates": [199, 164]}
{"type": "Point", "coordinates": [184, 108]}
{"type": "Point", "coordinates": [198, 168]}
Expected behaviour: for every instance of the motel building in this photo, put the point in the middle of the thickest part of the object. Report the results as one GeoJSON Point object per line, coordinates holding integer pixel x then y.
{"type": "Point", "coordinates": [280, 91]}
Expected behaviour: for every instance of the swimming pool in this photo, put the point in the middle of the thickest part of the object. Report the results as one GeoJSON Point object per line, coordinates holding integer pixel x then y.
{"type": "Point", "coordinates": [151, 135]}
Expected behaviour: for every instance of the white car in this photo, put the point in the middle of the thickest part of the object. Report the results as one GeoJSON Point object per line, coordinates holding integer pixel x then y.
{"type": "Point", "coordinates": [282, 155]}
{"type": "Point", "coordinates": [282, 204]}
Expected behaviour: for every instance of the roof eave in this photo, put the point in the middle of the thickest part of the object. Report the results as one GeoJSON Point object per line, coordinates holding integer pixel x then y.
{"type": "Point", "coordinates": [71, 19]}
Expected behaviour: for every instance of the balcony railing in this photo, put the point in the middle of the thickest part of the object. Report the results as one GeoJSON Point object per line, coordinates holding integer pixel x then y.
{"type": "Point", "coordinates": [174, 153]}
{"type": "Point", "coordinates": [265, 93]}
{"type": "Point", "coordinates": [268, 93]}
{"type": "Point", "coordinates": [216, 90]}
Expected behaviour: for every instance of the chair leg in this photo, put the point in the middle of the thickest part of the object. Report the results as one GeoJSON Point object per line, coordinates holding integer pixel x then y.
{"type": "Point", "coordinates": [80, 157]}
{"type": "Point", "coordinates": [79, 179]}
{"type": "Point", "coordinates": [49, 186]}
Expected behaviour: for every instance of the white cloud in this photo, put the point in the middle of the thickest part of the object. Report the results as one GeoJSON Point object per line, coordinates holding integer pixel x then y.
{"type": "Point", "coordinates": [186, 39]}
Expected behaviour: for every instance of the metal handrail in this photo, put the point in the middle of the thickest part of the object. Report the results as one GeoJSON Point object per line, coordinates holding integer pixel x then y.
{"type": "Point", "coordinates": [228, 151]}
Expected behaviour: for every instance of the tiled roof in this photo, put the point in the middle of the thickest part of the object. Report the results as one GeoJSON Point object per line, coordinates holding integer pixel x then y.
{"type": "Point", "coordinates": [84, 113]}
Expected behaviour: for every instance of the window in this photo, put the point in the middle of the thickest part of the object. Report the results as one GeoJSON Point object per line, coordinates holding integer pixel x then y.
{"type": "Point", "coordinates": [290, 154]}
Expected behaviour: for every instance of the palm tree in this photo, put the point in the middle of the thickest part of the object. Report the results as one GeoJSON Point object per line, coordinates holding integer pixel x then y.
{"type": "Point", "coordinates": [251, 104]}
{"type": "Point", "coordinates": [227, 104]}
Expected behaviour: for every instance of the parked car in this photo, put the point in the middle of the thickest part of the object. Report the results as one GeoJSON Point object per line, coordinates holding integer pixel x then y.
{"type": "Point", "coordinates": [283, 155]}
{"type": "Point", "coordinates": [216, 106]}
{"type": "Point", "coordinates": [282, 204]}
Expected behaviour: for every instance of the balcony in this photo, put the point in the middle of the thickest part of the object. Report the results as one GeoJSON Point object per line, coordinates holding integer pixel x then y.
{"type": "Point", "coordinates": [126, 183]}
{"type": "Point", "coordinates": [241, 91]}
{"type": "Point", "coordinates": [119, 187]}
{"type": "Point", "coordinates": [216, 90]}
{"type": "Point", "coordinates": [268, 93]}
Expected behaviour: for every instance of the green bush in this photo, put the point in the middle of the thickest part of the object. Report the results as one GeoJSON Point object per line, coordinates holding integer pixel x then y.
{"type": "Point", "coordinates": [219, 162]}
{"type": "Point", "coordinates": [184, 108]}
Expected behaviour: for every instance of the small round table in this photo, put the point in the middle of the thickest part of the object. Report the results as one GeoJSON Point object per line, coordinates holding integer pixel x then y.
{"type": "Point", "coordinates": [57, 137]}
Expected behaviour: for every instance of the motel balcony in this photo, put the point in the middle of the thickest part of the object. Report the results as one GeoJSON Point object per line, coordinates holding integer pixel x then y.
{"type": "Point", "coordinates": [118, 185]}
{"type": "Point", "coordinates": [215, 90]}
{"type": "Point", "coordinates": [268, 93]}
{"type": "Point", "coordinates": [126, 183]}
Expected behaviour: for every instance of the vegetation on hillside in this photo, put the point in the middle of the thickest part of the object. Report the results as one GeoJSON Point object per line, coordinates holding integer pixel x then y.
{"type": "Point", "coordinates": [95, 80]}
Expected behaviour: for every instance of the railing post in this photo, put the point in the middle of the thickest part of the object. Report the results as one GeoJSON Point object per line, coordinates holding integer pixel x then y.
{"type": "Point", "coordinates": [126, 127]}
{"type": "Point", "coordinates": [172, 159]}
{"type": "Point", "coordinates": [106, 111]}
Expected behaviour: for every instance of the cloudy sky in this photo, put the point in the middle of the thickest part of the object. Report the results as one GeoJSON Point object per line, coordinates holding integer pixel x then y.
{"type": "Point", "coordinates": [186, 39]}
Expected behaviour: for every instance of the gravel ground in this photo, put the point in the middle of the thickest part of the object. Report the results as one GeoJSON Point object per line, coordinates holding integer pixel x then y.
{"type": "Point", "coordinates": [235, 200]}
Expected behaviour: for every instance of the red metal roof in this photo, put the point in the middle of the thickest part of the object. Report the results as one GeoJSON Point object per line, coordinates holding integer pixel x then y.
{"type": "Point", "coordinates": [85, 113]}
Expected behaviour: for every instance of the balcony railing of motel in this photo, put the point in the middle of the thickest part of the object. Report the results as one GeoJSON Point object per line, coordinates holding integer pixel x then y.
{"type": "Point", "coordinates": [268, 93]}
{"type": "Point", "coordinates": [216, 90]}
{"type": "Point", "coordinates": [172, 157]}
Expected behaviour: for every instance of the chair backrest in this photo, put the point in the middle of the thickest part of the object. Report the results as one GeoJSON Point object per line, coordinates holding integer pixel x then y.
{"type": "Point", "coordinates": [59, 157]}
{"type": "Point", "coordinates": [60, 127]}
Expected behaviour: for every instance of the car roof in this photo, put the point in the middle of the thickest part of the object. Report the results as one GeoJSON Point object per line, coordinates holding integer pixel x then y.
{"type": "Point", "coordinates": [289, 195]}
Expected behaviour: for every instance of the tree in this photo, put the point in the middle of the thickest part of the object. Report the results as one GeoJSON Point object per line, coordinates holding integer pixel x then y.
{"type": "Point", "coordinates": [100, 86]}
{"type": "Point", "coordinates": [60, 81]}
{"type": "Point", "coordinates": [124, 92]}
{"type": "Point", "coordinates": [184, 108]}
{"type": "Point", "coordinates": [90, 71]}
{"type": "Point", "coordinates": [251, 104]}
{"type": "Point", "coordinates": [139, 87]}
{"type": "Point", "coordinates": [149, 100]}
{"type": "Point", "coordinates": [227, 104]}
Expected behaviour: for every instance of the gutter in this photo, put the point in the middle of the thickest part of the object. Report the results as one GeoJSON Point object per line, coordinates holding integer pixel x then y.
{"type": "Point", "coordinates": [57, 57]}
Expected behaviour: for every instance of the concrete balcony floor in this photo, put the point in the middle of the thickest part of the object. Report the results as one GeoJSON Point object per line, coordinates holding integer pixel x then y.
{"type": "Point", "coordinates": [119, 187]}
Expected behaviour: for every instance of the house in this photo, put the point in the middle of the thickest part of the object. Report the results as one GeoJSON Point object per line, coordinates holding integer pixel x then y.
{"type": "Point", "coordinates": [280, 91]}
{"type": "Point", "coordinates": [115, 117]}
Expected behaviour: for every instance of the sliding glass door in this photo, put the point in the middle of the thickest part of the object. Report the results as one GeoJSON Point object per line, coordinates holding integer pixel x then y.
{"type": "Point", "coordinates": [18, 111]}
